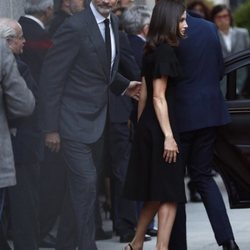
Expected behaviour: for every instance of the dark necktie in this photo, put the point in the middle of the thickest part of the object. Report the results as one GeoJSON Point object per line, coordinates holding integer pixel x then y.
{"type": "Point", "coordinates": [108, 41]}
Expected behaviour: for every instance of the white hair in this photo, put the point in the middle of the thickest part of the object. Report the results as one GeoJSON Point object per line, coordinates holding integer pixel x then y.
{"type": "Point", "coordinates": [7, 29]}
{"type": "Point", "coordinates": [135, 18]}
{"type": "Point", "coordinates": [37, 7]}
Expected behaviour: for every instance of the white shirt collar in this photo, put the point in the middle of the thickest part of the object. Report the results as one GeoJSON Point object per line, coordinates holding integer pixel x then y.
{"type": "Point", "coordinates": [36, 20]}
{"type": "Point", "coordinates": [99, 18]}
{"type": "Point", "coordinates": [142, 37]}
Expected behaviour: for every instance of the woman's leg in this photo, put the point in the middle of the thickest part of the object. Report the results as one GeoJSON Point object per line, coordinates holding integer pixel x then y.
{"type": "Point", "coordinates": [148, 211]}
{"type": "Point", "coordinates": [166, 217]}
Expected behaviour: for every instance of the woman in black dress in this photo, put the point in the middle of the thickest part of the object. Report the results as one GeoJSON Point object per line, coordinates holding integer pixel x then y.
{"type": "Point", "coordinates": [156, 173]}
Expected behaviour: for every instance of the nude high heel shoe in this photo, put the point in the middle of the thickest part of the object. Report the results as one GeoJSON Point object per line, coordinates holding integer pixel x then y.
{"type": "Point", "coordinates": [128, 247]}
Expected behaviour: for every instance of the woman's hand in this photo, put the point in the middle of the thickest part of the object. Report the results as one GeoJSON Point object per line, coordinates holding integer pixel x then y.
{"type": "Point", "coordinates": [170, 149]}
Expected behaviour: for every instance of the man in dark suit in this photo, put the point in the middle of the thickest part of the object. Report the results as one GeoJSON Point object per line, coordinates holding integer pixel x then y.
{"type": "Point", "coordinates": [200, 109]}
{"type": "Point", "coordinates": [77, 73]}
{"type": "Point", "coordinates": [38, 13]}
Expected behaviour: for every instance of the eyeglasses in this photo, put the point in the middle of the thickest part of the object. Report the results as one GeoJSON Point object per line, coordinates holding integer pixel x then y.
{"type": "Point", "coordinates": [222, 16]}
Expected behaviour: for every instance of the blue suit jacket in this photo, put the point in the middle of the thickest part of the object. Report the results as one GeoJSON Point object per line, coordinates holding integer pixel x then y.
{"type": "Point", "coordinates": [199, 101]}
{"type": "Point", "coordinates": [137, 45]}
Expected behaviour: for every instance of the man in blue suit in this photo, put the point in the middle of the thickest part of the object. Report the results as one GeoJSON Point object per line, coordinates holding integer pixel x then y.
{"type": "Point", "coordinates": [200, 109]}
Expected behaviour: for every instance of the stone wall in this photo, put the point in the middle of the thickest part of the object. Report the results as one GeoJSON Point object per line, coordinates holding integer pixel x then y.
{"type": "Point", "coordinates": [11, 8]}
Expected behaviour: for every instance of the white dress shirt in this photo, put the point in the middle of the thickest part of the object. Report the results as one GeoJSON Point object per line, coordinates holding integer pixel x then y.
{"type": "Point", "coordinates": [228, 39]}
{"type": "Point", "coordinates": [100, 21]}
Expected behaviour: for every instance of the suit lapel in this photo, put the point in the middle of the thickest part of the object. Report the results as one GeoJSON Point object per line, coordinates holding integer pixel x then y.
{"type": "Point", "coordinates": [223, 45]}
{"type": "Point", "coordinates": [233, 40]}
{"type": "Point", "coordinates": [96, 39]}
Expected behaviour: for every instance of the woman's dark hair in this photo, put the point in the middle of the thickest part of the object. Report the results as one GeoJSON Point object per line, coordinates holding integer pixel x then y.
{"type": "Point", "coordinates": [164, 24]}
{"type": "Point", "coordinates": [217, 9]}
{"type": "Point", "coordinates": [191, 6]}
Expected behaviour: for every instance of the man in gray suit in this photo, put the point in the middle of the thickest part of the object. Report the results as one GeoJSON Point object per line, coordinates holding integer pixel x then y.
{"type": "Point", "coordinates": [232, 40]}
{"type": "Point", "coordinates": [78, 71]}
{"type": "Point", "coordinates": [16, 100]}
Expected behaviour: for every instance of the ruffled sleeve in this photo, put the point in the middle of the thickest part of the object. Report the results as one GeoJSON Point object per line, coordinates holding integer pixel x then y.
{"type": "Point", "coordinates": [166, 62]}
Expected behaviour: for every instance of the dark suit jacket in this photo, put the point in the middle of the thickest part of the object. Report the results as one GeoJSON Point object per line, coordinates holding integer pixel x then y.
{"type": "Point", "coordinates": [27, 144]}
{"type": "Point", "coordinates": [199, 101]}
{"type": "Point", "coordinates": [137, 45]}
{"type": "Point", "coordinates": [75, 79]}
{"type": "Point", "coordinates": [120, 107]}
{"type": "Point", "coordinates": [36, 45]}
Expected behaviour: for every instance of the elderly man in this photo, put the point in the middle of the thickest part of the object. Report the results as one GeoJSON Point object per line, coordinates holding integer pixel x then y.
{"type": "Point", "coordinates": [16, 100]}
{"type": "Point", "coordinates": [26, 143]}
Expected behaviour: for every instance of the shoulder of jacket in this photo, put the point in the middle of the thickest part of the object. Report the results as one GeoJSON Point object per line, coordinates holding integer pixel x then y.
{"type": "Point", "coordinates": [240, 30]}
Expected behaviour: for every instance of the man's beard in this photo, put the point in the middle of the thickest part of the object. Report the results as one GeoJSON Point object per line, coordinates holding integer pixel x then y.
{"type": "Point", "coordinates": [104, 10]}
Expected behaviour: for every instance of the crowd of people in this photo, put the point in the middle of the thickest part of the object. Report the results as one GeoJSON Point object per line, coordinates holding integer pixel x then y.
{"type": "Point", "coordinates": [97, 96]}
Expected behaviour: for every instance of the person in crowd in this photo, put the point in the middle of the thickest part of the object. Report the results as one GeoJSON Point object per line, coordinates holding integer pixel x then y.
{"type": "Point", "coordinates": [135, 22]}
{"type": "Point", "coordinates": [125, 3]}
{"type": "Point", "coordinates": [77, 73]}
{"type": "Point", "coordinates": [26, 141]}
{"type": "Point", "coordinates": [66, 9]}
{"type": "Point", "coordinates": [16, 100]}
{"type": "Point", "coordinates": [200, 8]}
{"type": "Point", "coordinates": [72, 7]}
{"type": "Point", "coordinates": [197, 92]}
{"type": "Point", "coordinates": [38, 14]}
{"type": "Point", "coordinates": [232, 39]}
{"type": "Point", "coordinates": [76, 6]}
{"type": "Point", "coordinates": [60, 15]}
{"type": "Point", "coordinates": [118, 11]}
{"type": "Point", "coordinates": [156, 173]}
{"type": "Point", "coordinates": [58, 202]}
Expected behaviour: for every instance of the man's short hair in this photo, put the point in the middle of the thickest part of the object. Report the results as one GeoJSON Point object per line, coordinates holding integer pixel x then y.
{"type": "Point", "coordinates": [32, 7]}
{"type": "Point", "coordinates": [135, 18]}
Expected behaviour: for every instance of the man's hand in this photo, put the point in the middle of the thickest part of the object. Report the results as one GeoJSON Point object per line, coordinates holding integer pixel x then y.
{"type": "Point", "coordinates": [133, 90]}
{"type": "Point", "coordinates": [53, 141]}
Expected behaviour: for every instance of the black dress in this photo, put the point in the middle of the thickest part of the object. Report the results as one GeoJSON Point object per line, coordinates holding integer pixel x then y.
{"type": "Point", "coordinates": [149, 177]}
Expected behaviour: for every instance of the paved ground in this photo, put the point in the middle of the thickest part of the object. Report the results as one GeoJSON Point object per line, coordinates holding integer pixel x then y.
{"type": "Point", "coordinates": [200, 236]}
